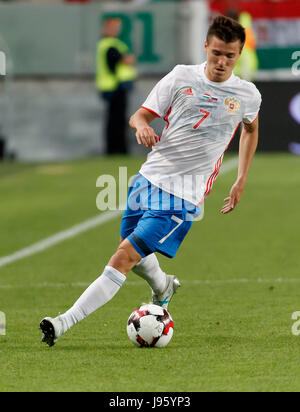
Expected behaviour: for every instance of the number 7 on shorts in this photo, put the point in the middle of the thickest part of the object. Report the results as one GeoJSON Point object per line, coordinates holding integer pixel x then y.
{"type": "Point", "coordinates": [179, 223]}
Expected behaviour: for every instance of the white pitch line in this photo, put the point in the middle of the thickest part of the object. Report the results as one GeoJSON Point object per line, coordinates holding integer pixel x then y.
{"type": "Point", "coordinates": [81, 227]}
{"type": "Point", "coordinates": [60, 237]}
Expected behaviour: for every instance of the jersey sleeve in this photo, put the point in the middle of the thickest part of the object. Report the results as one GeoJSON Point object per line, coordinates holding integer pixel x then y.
{"type": "Point", "coordinates": [161, 97]}
{"type": "Point", "coordinates": [252, 106]}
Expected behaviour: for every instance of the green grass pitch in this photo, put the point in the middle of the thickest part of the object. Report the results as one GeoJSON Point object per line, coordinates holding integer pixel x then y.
{"type": "Point", "coordinates": [240, 277]}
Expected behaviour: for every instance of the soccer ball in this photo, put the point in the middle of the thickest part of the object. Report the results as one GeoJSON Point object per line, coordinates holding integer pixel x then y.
{"type": "Point", "coordinates": [149, 326]}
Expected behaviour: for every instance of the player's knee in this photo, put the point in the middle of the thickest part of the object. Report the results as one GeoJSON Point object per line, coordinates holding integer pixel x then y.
{"type": "Point", "coordinates": [127, 254]}
{"type": "Point", "coordinates": [125, 258]}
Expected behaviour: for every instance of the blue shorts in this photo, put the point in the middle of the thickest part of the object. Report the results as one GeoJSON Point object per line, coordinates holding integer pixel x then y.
{"type": "Point", "coordinates": [154, 220]}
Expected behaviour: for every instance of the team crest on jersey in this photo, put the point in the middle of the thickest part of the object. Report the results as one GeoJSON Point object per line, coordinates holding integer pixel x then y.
{"type": "Point", "coordinates": [232, 105]}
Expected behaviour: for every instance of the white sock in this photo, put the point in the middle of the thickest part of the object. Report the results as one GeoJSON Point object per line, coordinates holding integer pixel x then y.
{"type": "Point", "coordinates": [96, 295]}
{"type": "Point", "coordinates": [148, 268]}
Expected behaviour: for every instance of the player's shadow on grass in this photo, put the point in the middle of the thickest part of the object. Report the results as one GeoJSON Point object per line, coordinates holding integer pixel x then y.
{"type": "Point", "coordinates": [199, 343]}
{"type": "Point", "coordinates": [109, 347]}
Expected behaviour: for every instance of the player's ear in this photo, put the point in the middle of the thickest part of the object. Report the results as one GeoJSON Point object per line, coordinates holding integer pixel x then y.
{"type": "Point", "coordinates": [205, 45]}
{"type": "Point", "coordinates": [241, 49]}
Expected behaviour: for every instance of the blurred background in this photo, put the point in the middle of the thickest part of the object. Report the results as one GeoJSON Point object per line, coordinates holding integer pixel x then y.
{"type": "Point", "coordinates": [49, 101]}
{"type": "Point", "coordinates": [58, 104]}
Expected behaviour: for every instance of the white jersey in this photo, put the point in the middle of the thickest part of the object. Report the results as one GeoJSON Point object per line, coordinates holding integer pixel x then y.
{"type": "Point", "coordinates": [201, 119]}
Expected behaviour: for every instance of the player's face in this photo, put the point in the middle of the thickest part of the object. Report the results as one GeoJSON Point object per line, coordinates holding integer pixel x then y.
{"type": "Point", "coordinates": [112, 27]}
{"type": "Point", "coordinates": [221, 58]}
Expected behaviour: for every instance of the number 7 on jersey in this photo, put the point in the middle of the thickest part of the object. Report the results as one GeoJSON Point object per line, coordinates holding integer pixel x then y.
{"type": "Point", "coordinates": [206, 114]}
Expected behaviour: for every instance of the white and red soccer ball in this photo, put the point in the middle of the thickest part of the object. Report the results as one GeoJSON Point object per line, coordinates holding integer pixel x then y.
{"type": "Point", "coordinates": [150, 326]}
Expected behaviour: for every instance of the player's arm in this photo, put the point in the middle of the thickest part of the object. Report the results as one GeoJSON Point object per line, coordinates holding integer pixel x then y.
{"type": "Point", "coordinates": [114, 57]}
{"type": "Point", "coordinates": [129, 59]}
{"type": "Point", "coordinates": [247, 148]}
{"type": "Point", "coordinates": [140, 122]}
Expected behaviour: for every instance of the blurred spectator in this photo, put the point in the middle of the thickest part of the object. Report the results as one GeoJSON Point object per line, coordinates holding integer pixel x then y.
{"type": "Point", "coordinates": [115, 78]}
{"type": "Point", "coordinates": [247, 64]}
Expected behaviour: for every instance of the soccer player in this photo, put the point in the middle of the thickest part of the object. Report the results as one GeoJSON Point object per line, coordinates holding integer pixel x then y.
{"type": "Point", "coordinates": [202, 106]}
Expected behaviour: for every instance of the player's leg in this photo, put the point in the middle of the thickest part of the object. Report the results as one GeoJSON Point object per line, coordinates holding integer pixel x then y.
{"type": "Point", "coordinates": [148, 268]}
{"type": "Point", "coordinates": [101, 291]}
{"type": "Point", "coordinates": [163, 232]}
{"type": "Point", "coordinates": [163, 286]}
{"type": "Point", "coordinates": [144, 194]}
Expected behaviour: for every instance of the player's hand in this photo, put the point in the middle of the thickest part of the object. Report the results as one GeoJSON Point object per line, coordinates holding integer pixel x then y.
{"type": "Point", "coordinates": [147, 136]}
{"type": "Point", "coordinates": [233, 199]}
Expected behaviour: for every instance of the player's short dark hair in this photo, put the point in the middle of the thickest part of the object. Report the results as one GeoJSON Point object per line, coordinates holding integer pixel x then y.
{"type": "Point", "coordinates": [226, 29]}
